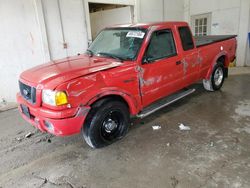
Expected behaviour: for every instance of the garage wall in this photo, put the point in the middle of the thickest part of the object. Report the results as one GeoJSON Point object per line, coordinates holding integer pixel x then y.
{"type": "Point", "coordinates": [21, 45]}
{"type": "Point", "coordinates": [173, 10]}
{"type": "Point", "coordinates": [34, 32]}
{"type": "Point", "coordinates": [150, 10]}
{"type": "Point", "coordinates": [160, 10]}
{"type": "Point", "coordinates": [248, 45]}
{"type": "Point", "coordinates": [65, 27]}
{"type": "Point", "coordinates": [228, 17]}
{"type": "Point", "coordinates": [102, 19]}
{"type": "Point", "coordinates": [248, 48]}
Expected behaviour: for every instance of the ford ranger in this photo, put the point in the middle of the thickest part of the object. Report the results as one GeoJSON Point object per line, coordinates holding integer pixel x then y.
{"type": "Point", "coordinates": [128, 71]}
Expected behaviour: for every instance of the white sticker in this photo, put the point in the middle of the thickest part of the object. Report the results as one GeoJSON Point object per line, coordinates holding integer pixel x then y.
{"type": "Point", "coordinates": [135, 34]}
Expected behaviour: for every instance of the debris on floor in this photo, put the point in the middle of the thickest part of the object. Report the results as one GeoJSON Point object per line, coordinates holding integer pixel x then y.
{"type": "Point", "coordinates": [174, 181]}
{"type": "Point", "coordinates": [211, 144]}
{"type": "Point", "coordinates": [183, 127]}
{"type": "Point", "coordinates": [19, 132]}
{"type": "Point", "coordinates": [168, 144]}
{"type": "Point", "coordinates": [19, 139]}
{"type": "Point", "coordinates": [46, 138]}
{"type": "Point", "coordinates": [156, 127]}
{"type": "Point", "coordinates": [29, 134]}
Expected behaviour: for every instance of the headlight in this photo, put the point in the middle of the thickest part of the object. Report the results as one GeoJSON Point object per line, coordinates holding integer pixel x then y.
{"type": "Point", "coordinates": [54, 98]}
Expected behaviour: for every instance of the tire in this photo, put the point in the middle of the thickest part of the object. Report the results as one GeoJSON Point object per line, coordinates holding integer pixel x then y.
{"type": "Point", "coordinates": [216, 79]}
{"type": "Point", "coordinates": [107, 122]}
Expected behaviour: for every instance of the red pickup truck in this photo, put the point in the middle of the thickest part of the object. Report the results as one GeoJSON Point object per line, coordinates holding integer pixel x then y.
{"type": "Point", "coordinates": [129, 70]}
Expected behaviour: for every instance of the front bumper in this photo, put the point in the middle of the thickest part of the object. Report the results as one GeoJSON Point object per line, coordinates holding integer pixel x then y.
{"type": "Point", "coordinates": [60, 123]}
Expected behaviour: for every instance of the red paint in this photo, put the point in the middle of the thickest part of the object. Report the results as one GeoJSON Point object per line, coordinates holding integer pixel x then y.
{"type": "Point", "coordinates": [86, 79]}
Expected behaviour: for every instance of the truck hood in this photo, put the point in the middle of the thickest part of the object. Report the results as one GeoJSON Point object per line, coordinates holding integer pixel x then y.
{"type": "Point", "coordinates": [56, 72]}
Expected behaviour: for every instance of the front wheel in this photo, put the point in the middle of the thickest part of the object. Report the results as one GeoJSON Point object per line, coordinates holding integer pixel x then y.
{"type": "Point", "coordinates": [106, 123]}
{"type": "Point", "coordinates": [217, 78]}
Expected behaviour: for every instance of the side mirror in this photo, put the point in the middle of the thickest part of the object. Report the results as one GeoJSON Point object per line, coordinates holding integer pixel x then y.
{"type": "Point", "coordinates": [145, 60]}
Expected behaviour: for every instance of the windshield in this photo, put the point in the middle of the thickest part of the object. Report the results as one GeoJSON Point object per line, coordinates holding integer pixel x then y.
{"type": "Point", "coordinates": [122, 43]}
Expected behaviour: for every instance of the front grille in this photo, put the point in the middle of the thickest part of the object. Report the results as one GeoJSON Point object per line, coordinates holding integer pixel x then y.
{"type": "Point", "coordinates": [28, 92]}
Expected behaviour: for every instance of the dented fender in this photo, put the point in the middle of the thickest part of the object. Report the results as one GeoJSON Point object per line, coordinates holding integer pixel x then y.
{"type": "Point", "coordinates": [122, 82]}
{"type": "Point", "coordinates": [132, 102]}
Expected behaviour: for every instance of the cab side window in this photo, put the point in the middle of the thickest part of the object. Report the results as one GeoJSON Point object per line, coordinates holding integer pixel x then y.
{"type": "Point", "coordinates": [186, 38]}
{"type": "Point", "coordinates": [161, 46]}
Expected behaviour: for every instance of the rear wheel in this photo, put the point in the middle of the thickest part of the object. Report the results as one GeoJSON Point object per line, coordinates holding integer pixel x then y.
{"type": "Point", "coordinates": [106, 123]}
{"type": "Point", "coordinates": [217, 78]}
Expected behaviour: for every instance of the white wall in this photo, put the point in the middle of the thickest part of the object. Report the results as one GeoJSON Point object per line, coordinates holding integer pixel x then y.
{"type": "Point", "coordinates": [32, 32]}
{"type": "Point", "coordinates": [160, 10]}
{"type": "Point", "coordinates": [248, 47]}
{"type": "Point", "coordinates": [228, 17]}
{"type": "Point", "coordinates": [21, 46]}
{"type": "Point", "coordinates": [243, 47]}
{"type": "Point", "coordinates": [65, 23]}
{"type": "Point", "coordinates": [173, 10]}
{"type": "Point", "coordinates": [225, 14]}
{"type": "Point", "coordinates": [102, 19]}
{"type": "Point", "coordinates": [150, 10]}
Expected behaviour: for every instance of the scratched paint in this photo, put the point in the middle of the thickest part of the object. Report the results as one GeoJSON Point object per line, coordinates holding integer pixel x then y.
{"type": "Point", "coordinates": [72, 83]}
{"type": "Point", "coordinates": [140, 71]}
{"type": "Point", "coordinates": [149, 81]}
{"type": "Point", "coordinates": [152, 80]}
{"type": "Point", "coordinates": [197, 62]}
{"type": "Point", "coordinates": [185, 66]}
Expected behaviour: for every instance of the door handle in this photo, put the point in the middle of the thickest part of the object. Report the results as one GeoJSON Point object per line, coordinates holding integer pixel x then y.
{"type": "Point", "coordinates": [178, 62]}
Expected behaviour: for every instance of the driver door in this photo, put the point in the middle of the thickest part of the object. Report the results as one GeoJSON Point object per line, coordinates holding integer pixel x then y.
{"type": "Point", "coordinates": [162, 70]}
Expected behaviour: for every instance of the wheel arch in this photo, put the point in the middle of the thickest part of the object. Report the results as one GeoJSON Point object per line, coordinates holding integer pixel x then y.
{"type": "Point", "coordinates": [221, 57]}
{"type": "Point", "coordinates": [127, 99]}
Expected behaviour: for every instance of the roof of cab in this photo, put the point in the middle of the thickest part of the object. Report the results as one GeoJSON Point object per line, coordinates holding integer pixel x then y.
{"type": "Point", "coordinates": [148, 25]}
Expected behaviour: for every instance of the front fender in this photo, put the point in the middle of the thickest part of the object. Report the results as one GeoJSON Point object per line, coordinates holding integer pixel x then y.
{"type": "Point", "coordinates": [122, 82]}
{"type": "Point", "coordinates": [132, 101]}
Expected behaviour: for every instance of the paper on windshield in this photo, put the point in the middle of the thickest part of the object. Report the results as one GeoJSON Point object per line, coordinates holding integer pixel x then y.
{"type": "Point", "coordinates": [135, 34]}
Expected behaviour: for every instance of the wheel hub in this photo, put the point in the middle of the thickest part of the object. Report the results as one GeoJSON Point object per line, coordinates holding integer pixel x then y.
{"type": "Point", "coordinates": [110, 125]}
{"type": "Point", "coordinates": [218, 76]}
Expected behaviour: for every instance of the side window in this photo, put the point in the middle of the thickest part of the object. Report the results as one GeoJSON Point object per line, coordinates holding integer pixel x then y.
{"type": "Point", "coordinates": [186, 38]}
{"type": "Point", "coordinates": [161, 45]}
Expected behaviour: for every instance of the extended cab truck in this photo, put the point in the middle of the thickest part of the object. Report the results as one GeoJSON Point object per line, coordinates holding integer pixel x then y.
{"type": "Point", "coordinates": [129, 70]}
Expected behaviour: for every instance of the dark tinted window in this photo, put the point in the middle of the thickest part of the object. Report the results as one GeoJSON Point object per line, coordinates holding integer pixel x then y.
{"type": "Point", "coordinates": [161, 45]}
{"type": "Point", "coordinates": [186, 38]}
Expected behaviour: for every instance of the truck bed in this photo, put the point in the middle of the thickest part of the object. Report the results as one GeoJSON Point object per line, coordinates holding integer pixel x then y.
{"type": "Point", "coordinates": [206, 40]}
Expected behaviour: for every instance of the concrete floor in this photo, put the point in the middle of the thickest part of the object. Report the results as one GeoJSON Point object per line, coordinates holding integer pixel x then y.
{"type": "Point", "coordinates": [214, 153]}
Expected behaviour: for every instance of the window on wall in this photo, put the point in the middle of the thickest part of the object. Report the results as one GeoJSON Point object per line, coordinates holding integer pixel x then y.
{"type": "Point", "coordinates": [201, 24]}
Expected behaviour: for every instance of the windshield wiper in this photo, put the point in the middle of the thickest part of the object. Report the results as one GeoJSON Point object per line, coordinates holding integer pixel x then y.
{"type": "Point", "coordinates": [110, 55]}
{"type": "Point", "coordinates": [91, 53]}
